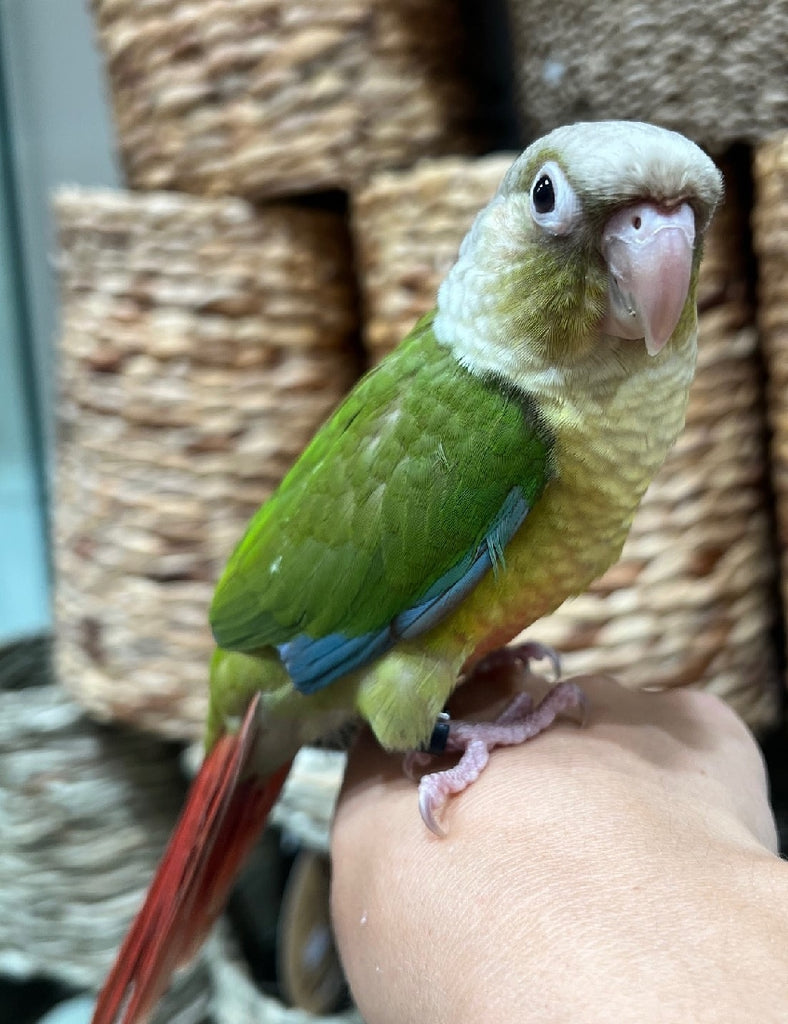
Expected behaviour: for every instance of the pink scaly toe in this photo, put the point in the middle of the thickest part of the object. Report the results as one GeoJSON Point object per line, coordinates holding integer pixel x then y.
{"type": "Point", "coordinates": [519, 722]}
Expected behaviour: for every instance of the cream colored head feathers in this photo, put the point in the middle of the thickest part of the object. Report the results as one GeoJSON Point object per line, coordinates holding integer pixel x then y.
{"type": "Point", "coordinates": [593, 238]}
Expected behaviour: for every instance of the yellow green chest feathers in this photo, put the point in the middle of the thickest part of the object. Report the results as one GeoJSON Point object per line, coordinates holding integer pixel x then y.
{"type": "Point", "coordinates": [609, 442]}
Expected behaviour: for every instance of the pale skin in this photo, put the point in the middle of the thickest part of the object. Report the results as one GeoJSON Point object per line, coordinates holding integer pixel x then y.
{"type": "Point", "coordinates": [626, 872]}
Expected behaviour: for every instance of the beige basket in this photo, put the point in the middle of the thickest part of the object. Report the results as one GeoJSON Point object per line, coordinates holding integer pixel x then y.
{"type": "Point", "coordinates": [692, 599]}
{"type": "Point", "coordinates": [770, 224]}
{"type": "Point", "coordinates": [85, 811]}
{"type": "Point", "coordinates": [408, 227]}
{"type": "Point", "coordinates": [263, 97]}
{"type": "Point", "coordinates": [202, 344]}
{"type": "Point", "coordinates": [712, 69]}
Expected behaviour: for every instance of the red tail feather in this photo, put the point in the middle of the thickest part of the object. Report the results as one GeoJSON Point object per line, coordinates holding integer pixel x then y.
{"type": "Point", "coordinates": [219, 824]}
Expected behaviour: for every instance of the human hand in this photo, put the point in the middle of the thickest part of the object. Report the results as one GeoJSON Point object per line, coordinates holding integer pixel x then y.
{"type": "Point", "coordinates": [625, 871]}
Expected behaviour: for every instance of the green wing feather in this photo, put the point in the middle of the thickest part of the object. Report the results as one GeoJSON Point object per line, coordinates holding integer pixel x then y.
{"type": "Point", "coordinates": [399, 485]}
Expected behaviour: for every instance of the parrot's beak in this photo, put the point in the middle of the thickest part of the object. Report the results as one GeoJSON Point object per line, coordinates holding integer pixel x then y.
{"type": "Point", "coordinates": [648, 250]}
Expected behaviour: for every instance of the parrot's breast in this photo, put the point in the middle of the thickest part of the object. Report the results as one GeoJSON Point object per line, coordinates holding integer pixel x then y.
{"type": "Point", "coordinates": [607, 450]}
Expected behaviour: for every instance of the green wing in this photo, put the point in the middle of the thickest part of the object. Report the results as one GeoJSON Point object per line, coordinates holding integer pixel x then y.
{"type": "Point", "coordinates": [422, 465]}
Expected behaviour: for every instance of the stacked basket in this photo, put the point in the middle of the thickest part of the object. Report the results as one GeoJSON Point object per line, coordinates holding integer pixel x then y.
{"type": "Point", "coordinates": [202, 343]}
{"type": "Point", "coordinates": [257, 98]}
{"type": "Point", "coordinates": [713, 71]}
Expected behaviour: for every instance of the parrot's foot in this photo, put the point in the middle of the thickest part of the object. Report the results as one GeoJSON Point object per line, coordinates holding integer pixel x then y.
{"type": "Point", "coordinates": [519, 722]}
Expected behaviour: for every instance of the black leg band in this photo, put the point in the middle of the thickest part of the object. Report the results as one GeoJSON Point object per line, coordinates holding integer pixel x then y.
{"type": "Point", "coordinates": [440, 735]}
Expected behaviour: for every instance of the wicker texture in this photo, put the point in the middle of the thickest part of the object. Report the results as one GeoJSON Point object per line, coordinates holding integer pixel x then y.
{"type": "Point", "coordinates": [202, 344]}
{"type": "Point", "coordinates": [692, 599]}
{"type": "Point", "coordinates": [305, 808]}
{"type": "Point", "coordinates": [770, 236]}
{"type": "Point", "coordinates": [716, 71]}
{"type": "Point", "coordinates": [264, 97]}
{"type": "Point", "coordinates": [407, 228]}
{"type": "Point", "coordinates": [85, 811]}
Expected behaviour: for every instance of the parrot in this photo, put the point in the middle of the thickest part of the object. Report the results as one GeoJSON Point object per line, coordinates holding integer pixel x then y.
{"type": "Point", "coordinates": [486, 470]}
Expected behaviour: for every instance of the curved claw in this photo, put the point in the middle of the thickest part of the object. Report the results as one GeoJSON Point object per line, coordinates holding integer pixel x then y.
{"type": "Point", "coordinates": [517, 656]}
{"type": "Point", "coordinates": [428, 805]}
{"type": "Point", "coordinates": [569, 701]}
{"type": "Point", "coordinates": [435, 789]}
{"type": "Point", "coordinates": [519, 722]}
{"type": "Point", "coordinates": [532, 650]}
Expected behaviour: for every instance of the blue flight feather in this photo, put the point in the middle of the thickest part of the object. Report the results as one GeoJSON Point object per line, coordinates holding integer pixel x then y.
{"type": "Point", "coordinates": [314, 663]}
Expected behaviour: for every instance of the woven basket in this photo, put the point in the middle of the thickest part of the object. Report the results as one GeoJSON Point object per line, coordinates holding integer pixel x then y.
{"type": "Point", "coordinates": [263, 97]}
{"type": "Point", "coordinates": [692, 599]}
{"type": "Point", "coordinates": [408, 227]}
{"type": "Point", "coordinates": [770, 226]}
{"type": "Point", "coordinates": [85, 811]}
{"type": "Point", "coordinates": [202, 344]}
{"type": "Point", "coordinates": [712, 69]}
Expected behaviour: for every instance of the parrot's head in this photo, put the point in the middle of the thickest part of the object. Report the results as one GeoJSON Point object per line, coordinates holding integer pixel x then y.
{"type": "Point", "coordinates": [592, 242]}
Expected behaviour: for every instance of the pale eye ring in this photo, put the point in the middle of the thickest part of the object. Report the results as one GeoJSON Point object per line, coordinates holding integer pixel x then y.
{"type": "Point", "coordinates": [554, 203]}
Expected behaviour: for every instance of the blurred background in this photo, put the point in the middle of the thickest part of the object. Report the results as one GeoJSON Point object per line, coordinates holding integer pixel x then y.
{"type": "Point", "coordinates": [213, 217]}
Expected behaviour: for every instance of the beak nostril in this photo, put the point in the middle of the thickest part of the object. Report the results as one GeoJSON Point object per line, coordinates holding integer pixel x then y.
{"type": "Point", "coordinates": [636, 223]}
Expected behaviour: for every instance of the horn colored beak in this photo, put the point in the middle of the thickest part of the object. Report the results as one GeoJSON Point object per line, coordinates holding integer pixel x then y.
{"type": "Point", "coordinates": [648, 250]}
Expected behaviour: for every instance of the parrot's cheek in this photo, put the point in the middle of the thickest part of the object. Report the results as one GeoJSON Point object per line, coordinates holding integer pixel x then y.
{"type": "Point", "coordinates": [649, 251]}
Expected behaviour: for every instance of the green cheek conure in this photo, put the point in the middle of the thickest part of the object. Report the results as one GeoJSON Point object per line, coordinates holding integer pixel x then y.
{"type": "Point", "coordinates": [489, 468]}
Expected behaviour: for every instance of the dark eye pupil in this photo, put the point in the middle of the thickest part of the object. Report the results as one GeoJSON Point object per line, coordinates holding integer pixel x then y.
{"type": "Point", "coordinates": [543, 195]}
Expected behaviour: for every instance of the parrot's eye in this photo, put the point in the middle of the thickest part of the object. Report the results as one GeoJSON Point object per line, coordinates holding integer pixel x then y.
{"type": "Point", "coordinates": [554, 204]}
{"type": "Point", "coordinates": [543, 195]}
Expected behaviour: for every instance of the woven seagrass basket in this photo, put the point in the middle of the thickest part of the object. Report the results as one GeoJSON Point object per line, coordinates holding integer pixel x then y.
{"type": "Point", "coordinates": [714, 70]}
{"type": "Point", "coordinates": [85, 812]}
{"type": "Point", "coordinates": [263, 97]}
{"type": "Point", "coordinates": [770, 231]}
{"type": "Point", "coordinates": [202, 344]}
{"type": "Point", "coordinates": [692, 600]}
